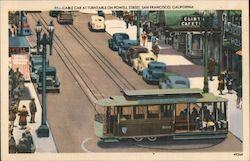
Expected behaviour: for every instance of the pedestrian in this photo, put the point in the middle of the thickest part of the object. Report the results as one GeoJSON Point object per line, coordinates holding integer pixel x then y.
{"type": "Point", "coordinates": [153, 40]}
{"type": "Point", "coordinates": [11, 128]}
{"type": "Point", "coordinates": [17, 93]}
{"type": "Point", "coordinates": [211, 68]}
{"type": "Point", "coordinates": [156, 49]}
{"type": "Point", "coordinates": [12, 145]}
{"type": "Point", "coordinates": [33, 110]}
{"type": "Point", "coordinates": [239, 96]}
{"type": "Point", "coordinates": [17, 74]}
{"type": "Point", "coordinates": [150, 34]}
{"type": "Point", "coordinates": [127, 21]}
{"type": "Point", "coordinates": [12, 113]}
{"type": "Point", "coordinates": [29, 140]}
{"type": "Point", "coordinates": [143, 37]}
{"type": "Point", "coordinates": [221, 84]}
{"type": "Point", "coordinates": [21, 81]}
{"type": "Point", "coordinates": [21, 146]}
{"type": "Point", "coordinates": [229, 82]}
{"type": "Point", "coordinates": [23, 117]}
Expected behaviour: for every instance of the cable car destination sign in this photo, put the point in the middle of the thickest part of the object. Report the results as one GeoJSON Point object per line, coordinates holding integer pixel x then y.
{"type": "Point", "coordinates": [192, 21]}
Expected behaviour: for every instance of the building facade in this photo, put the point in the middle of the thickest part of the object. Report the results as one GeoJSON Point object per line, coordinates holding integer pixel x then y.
{"type": "Point", "coordinates": [232, 53]}
{"type": "Point", "coordinates": [184, 31]}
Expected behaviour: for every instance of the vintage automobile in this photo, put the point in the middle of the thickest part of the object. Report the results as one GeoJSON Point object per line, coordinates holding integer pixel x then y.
{"type": "Point", "coordinates": [154, 72]}
{"type": "Point", "coordinates": [96, 23]}
{"type": "Point", "coordinates": [54, 13]}
{"type": "Point", "coordinates": [172, 80]}
{"type": "Point", "coordinates": [65, 18]}
{"type": "Point", "coordinates": [125, 44]}
{"type": "Point", "coordinates": [26, 31]}
{"type": "Point", "coordinates": [35, 64]}
{"type": "Point", "coordinates": [101, 13]}
{"type": "Point", "coordinates": [116, 40]}
{"type": "Point", "coordinates": [142, 61]}
{"type": "Point", "coordinates": [52, 81]}
{"type": "Point", "coordinates": [133, 53]}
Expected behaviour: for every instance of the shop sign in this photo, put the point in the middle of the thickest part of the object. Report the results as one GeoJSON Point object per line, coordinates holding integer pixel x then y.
{"type": "Point", "coordinates": [194, 21]}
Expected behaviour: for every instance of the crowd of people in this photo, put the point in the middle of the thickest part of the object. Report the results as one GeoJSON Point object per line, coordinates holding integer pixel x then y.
{"type": "Point", "coordinates": [16, 90]}
{"type": "Point", "coordinates": [225, 79]}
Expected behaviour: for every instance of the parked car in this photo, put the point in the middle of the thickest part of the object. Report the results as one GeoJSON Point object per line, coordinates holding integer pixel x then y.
{"type": "Point", "coordinates": [154, 72]}
{"type": "Point", "coordinates": [172, 80]}
{"type": "Point", "coordinates": [101, 13]}
{"type": "Point", "coordinates": [33, 50]}
{"type": "Point", "coordinates": [54, 13]}
{"type": "Point", "coordinates": [96, 23]}
{"type": "Point", "coordinates": [52, 81]}
{"type": "Point", "coordinates": [133, 53]}
{"type": "Point", "coordinates": [35, 64]}
{"type": "Point", "coordinates": [142, 61]}
{"type": "Point", "coordinates": [26, 31]}
{"type": "Point", "coordinates": [116, 40]}
{"type": "Point", "coordinates": [65, 18]}
{"type": "Point", "coordinates": [125, 44]}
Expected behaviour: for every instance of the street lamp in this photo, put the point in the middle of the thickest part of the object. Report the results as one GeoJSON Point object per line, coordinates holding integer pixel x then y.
{"type": "Point", "coordinates": [138, 15]}
{"type": "Point", "coordinates": [43, 130]}
{"type": "Point", "coordinates": [206, 26]}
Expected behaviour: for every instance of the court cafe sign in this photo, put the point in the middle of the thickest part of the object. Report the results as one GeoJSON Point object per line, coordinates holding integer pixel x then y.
{"type": "Point", "coordinates": [191, 21]}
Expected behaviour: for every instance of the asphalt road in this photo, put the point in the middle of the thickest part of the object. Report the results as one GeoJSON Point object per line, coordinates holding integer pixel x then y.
{"type": "Point", "coordinates": [70, 114]}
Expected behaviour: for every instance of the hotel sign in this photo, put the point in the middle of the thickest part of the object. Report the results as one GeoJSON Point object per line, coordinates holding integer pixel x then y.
{"type": "Point", "coordinates": [191, 21]}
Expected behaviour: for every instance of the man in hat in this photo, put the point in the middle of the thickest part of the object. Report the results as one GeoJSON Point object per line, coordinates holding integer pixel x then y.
{"type": "Point", "coordinates": [21, 147]}
{"type": "Point", "coordinates": [12, 113]}
{"type": "Point", "coordinates": [23, 117]}
{"type": "Point", "coordinates": [29, 140]}
{"type": "Point", "coordinates": [12, 145]}
{"type": "Point", "coordinates": [211, 68]}
{"type": "Point", "coordinates": [33, 109]}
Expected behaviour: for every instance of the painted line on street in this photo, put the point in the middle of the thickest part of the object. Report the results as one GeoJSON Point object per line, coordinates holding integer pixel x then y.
{"type": "Point", "coordinates": [83, 145]}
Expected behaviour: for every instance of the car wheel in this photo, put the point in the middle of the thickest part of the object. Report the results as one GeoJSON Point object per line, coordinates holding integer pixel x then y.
{"type": "Point", "coordinates": [138, 139]}
{"type": "Point", "coordinates": [152, 139]}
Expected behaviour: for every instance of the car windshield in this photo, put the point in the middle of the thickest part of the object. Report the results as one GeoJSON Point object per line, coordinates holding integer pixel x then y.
{"type": "Point", "coordinates": [180, 82]}
{"type": "Point", "coordinates": [142, 50]}
{"type": "Point", "coordinates": [150, 59]}
{"type": "Point", "coordinates": [159, 68]}
{"type": "Point", "coordinates": [122, 36]}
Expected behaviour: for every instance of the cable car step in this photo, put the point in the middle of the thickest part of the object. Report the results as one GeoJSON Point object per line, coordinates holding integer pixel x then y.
{"type": "Point", "coordinates": [196, 137]}
{"type": "Point", "coordinates": [110, 140]}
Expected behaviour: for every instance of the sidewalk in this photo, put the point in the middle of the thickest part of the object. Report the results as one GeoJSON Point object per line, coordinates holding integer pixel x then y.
{"type": "Point", "coordinates": [42, 144]}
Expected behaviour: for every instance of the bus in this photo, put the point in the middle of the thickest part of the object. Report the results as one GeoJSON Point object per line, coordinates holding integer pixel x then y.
{"type": "Point", "coordinates": [180, 114]}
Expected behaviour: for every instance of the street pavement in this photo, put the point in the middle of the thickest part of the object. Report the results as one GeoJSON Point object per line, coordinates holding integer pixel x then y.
{"type": "Point", "coordinates": [70, 113]}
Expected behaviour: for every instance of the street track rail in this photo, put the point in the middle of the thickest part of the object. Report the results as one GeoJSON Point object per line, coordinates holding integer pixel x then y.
{"type": "Point", "coordinates": [86, 85]}
{"type": "Point", "coordinates": [103, 62]}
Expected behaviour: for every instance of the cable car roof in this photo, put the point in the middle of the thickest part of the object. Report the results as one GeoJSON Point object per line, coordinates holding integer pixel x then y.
{"type": "Point", "coordinates": [160, 96]}
{"type": "Point", "coordinates": [159, 92]}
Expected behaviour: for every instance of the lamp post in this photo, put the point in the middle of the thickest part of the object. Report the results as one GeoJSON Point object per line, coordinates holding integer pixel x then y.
{"type": "Point", "coordinates": [43, 130]}
{"type": "Point", "coordinates": [206, 26]}
{"type": "Point", "coordinates": [138, 25]}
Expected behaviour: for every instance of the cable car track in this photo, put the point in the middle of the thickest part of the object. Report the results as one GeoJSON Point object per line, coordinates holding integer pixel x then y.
{"type": "Point", "coordinates": [86, 85]}
{"type": "Point", "coordinates": [100, 59]}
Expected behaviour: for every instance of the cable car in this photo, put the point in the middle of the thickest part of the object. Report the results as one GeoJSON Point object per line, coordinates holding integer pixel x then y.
{"type": "Point", "coordinates": [149, 114]}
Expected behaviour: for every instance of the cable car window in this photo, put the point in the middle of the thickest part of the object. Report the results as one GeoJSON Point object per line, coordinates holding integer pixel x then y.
{"type": "Point", "coordinates": [167, 110]}
{"type": "Point", "coordinates": [126, 113]}
{"type": "Point", "coordinates": [153, 111]}
{"type": "Point", "coordinates": [139, 112]}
